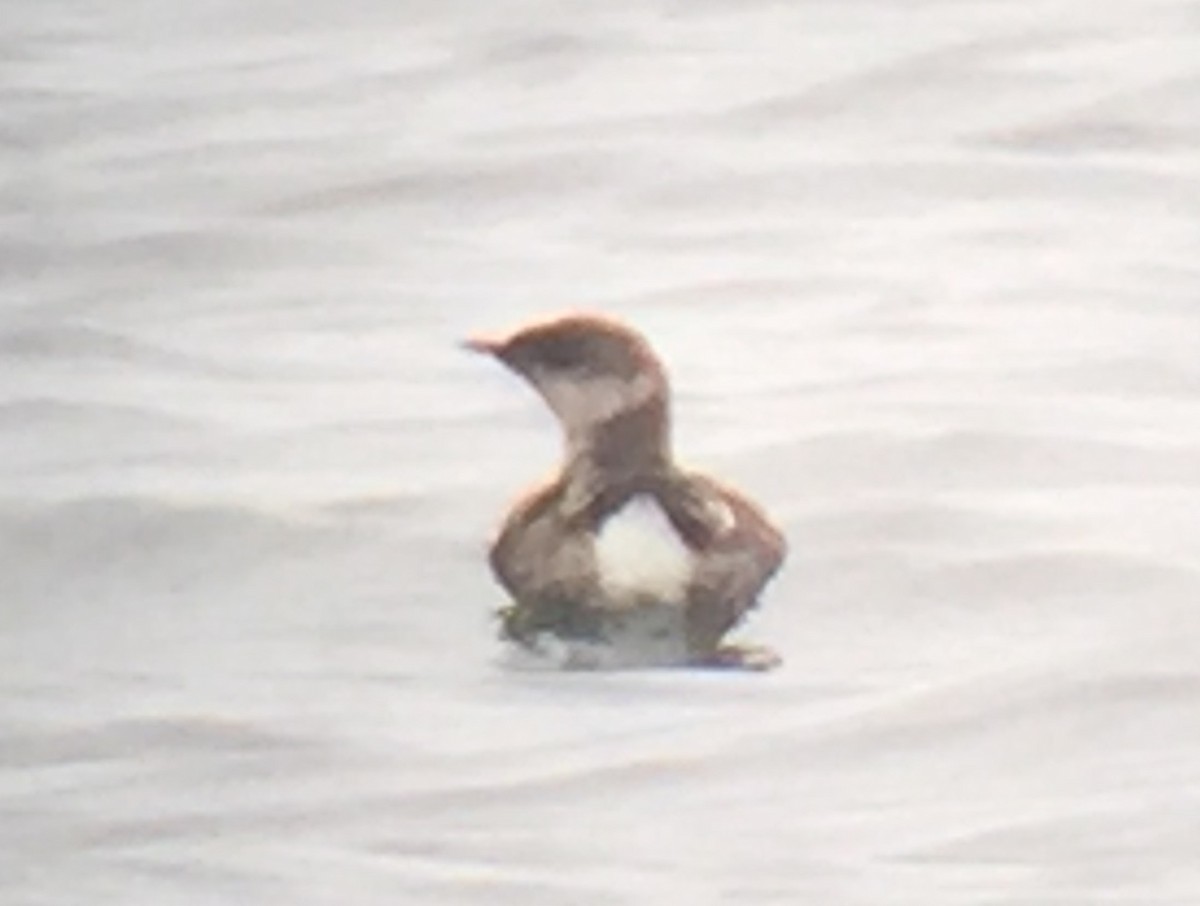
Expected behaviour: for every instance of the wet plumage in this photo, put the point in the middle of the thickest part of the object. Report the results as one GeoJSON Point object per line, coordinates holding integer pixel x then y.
{"type": "Point", "coordinates": [624, 558]}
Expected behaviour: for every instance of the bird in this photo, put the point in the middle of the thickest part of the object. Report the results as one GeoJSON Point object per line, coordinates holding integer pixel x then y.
{"type": "Point", "coordinates": [623, 558]}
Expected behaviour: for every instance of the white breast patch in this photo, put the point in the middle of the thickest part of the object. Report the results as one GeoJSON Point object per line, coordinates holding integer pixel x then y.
{"type": "Point", "coordinates": [639, 554]}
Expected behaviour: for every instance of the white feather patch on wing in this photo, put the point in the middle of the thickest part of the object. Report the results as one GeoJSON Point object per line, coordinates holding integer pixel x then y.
{"type": "Point", "coordinates": [721, 513]}
{"type": "Point", "coordinates": [639, 554]}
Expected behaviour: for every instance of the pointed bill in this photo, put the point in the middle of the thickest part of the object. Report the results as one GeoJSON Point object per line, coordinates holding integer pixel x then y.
{"type": "Point", "coordinates": [484, 345]}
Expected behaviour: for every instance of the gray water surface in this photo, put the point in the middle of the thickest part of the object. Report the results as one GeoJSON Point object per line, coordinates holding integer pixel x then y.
{"type": "Point", "coordinates": [926, 280]}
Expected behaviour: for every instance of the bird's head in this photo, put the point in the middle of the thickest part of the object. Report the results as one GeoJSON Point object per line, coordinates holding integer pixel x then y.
{"type": "Point", "coordinates": [588, 369]}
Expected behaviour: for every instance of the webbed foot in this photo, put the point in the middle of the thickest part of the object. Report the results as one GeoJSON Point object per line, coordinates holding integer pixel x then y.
{"type": "Point", "coordinates": [758, 658]}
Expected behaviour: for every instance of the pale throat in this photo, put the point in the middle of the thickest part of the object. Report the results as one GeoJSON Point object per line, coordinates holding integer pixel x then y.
{"type": "Point", "coordinates": [612, 424]}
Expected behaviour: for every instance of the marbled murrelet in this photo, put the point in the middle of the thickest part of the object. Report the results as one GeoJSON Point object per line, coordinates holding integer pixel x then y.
{"type": "Point", "coordinates": [623, 559]}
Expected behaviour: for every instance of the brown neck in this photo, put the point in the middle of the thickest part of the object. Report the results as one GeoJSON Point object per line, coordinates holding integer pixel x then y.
{"type": "Point", "coordinates": [629, 445]}
{"type": "Point", "coordinates": [631, 441]}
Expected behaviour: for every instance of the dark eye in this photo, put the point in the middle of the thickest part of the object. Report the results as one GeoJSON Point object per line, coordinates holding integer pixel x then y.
{"type": "Point", "coordinates": [561, 353]}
